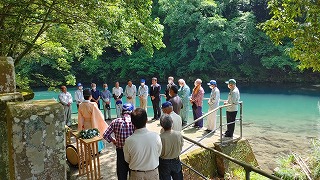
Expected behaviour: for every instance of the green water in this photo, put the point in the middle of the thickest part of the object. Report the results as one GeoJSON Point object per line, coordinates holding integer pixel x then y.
{"type": "Point", "coordinates": [286, 109]}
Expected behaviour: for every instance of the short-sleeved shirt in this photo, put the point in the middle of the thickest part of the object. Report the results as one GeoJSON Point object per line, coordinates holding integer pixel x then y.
{"type": "Point", "coordinates": [142, 150]}
{"type": "Point", "coordinates": [172, 143]}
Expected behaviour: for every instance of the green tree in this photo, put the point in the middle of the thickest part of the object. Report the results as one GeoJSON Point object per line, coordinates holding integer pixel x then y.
{"type": "Point", "coordinates": [298, 22]}
{"type": "Point", "coordinates": [54, 33]}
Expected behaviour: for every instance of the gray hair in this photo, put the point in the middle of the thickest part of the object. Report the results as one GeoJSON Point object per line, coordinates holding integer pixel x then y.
{"type": "Point", "coordinates": [198, 81]}
{"type": "Point", "coordinates": [166, 122]}
{"type": "Point", "coordinates": [182, 81]}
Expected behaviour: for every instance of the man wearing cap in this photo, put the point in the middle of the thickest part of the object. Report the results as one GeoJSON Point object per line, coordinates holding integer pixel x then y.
{"type": "Point", "coordinates": [65, 99]}
{"type": "Point", "coordinates": [167, 91]}
{"type": "Point", "coordinates": [184, 94]}
{"type": "Point", "coordinates": [155, 98]}
{"type": "Point", "coordinates": [122, 128]}
{"type": "Point", "coordinates": [106, 96]}
{"type": "Point", "coordinates": [117, 93]}
{"type": "Point", "coordinates": [78, 95]}
{"type": "Point", "coordinates": [233, 99]}
{"type": "Point", "coordinates": [213, 103]}
{"type": "Point", "coordinates": [143, 94]}
{"type": "Point", "coordinates": [131, 92]}
{"type": "Point", "coordinates": [175, 99]}
{"type": "Point", "coordinates": [167, 108]}
{"type": "Point", "coordinates": [172, 142]}
{"type": "Point", "coordinates": [142, 149]}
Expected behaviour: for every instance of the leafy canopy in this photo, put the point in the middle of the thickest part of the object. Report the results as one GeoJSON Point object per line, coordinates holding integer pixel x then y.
{"type": "Point", "coordinates": [298, 21]}
{"type": "Point", "coordinates": [56, 32]}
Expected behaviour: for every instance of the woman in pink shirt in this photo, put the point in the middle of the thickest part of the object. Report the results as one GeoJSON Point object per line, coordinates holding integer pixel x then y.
{"type": "Point", "coordinates": [196, 101]}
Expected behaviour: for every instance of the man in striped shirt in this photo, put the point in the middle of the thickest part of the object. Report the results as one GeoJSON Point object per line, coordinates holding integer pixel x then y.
{"type": "Point", "coordinates": [121, 128]}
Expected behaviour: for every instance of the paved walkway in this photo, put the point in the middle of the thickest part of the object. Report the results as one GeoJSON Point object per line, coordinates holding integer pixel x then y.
{"type": "Point", "coordinates": [108, 154]}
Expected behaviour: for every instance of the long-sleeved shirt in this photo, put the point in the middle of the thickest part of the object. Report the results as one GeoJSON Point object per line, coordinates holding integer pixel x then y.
{"type": "Point", "coordinates": [172, 143]}
{"type": "Point", "coordinates": [122, 128]}
{"type": "Point", "coordinates": [143, 91]}
{"type": "Point", "coordinates": [184, 94]}
{"type": "Point", "coordinates": [106, 96]}
{"type": "Point", "coordinates": [142, 150]}
{"type": "Point", "coordinates": [117, 92]}
{"type": "Point", "coordinates": [65, 98]}
{"type": "Point", "coordinates": [198, 97]}
{"type": "Point", "coordinates": [78, 96]}
{"type": "Point", "coordinates": [233, 99]}
{"type": "Point", "coordinates": [130, 91]}
{"type": "Point", "coordinates": [214, 98]}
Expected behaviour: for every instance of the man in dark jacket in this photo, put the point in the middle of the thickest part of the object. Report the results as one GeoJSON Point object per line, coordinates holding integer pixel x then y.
{"type": "Point", "coordinates": [155, 98]}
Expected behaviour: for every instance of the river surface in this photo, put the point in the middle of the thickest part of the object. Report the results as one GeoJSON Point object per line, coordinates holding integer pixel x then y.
{"type": "Point", "coordinates": [278, 119]}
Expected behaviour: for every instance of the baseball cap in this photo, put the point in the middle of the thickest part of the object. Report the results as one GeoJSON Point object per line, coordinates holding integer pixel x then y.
{"type": "Point", "coordinates": [212, 82]}
{"type": "Point", "coordinates": [79, 84]}
{"type": "Point", "coordinates": [127, 107]}
{"type": "Point", "coordinates": [142, 81]}
{"type": "Point", "coordinates": [166, 104]}
{"type": "Point", "coordinates": [231, 81]}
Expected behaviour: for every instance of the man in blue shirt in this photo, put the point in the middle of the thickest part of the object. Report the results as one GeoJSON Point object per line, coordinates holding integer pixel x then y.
{"type": "Point", "coordinates": [95, 94]}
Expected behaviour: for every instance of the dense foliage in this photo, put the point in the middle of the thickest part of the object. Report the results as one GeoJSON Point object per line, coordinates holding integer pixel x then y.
{"type": "Point", "coordinates": [298, 21]}
{"type": "Point", "coordinates": [46, 36]}
{"type": "Point", "coordinates": [204, 39]}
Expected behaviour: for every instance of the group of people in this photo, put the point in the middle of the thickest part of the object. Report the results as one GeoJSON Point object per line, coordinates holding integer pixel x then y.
{"type": "Point", "coordinates": [143, 154]}
{"type": "Point", "coordinates": [146, 154]}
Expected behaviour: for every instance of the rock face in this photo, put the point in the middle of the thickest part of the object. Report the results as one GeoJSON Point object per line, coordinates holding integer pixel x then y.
{"type": "Point", "coordinates": [36, 135]}
{"type": "Point", "coordinates": [240, 150]}
{"type": "Point", "coordinates": [7, 75]}
{"type": "Point", "coordinates": [211, 165]}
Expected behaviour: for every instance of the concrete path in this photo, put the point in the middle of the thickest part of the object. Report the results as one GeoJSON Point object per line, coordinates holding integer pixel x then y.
{"type": "Point", "coordinates": [108, 154]}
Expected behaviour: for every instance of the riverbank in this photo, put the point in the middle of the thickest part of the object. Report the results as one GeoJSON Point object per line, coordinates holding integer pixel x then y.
{"type": "Point", "coordinates": [269, 145]}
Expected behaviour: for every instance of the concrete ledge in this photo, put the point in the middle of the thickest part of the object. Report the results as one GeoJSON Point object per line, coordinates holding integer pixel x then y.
{"type": "Point", "coordinates": [211, 165]}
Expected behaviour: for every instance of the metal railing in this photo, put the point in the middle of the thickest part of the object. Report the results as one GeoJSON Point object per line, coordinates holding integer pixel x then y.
{"type": "Point", "coordinates": [248, 168]}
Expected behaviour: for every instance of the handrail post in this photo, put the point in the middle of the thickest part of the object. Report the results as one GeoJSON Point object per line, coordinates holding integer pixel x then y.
{"type": "Point", "coordinates": [241, 120]}
{"type": "Point", "coordinates": [247, 173]}
{"type": "Point", "coordinates": [220, 125]}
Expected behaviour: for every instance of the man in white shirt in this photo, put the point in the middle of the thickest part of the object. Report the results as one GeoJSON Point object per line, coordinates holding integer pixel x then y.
{"type": "Point", "coordinates": [65, 99]}
{"type": "Point", "coordinates": [130, 92]}
{"type": "Point", "coordinates": [167, 108]}
{"type": "Point", "coordinates": [142, 149]}
{"type": "Point", "coordinates": [117, 93]}
{"type": "Point", "coordinates": [143, 94]}
{"type": "Point", "coordinates": [233, 99]}
{"type": "Point", "coordinates": [78, 95]}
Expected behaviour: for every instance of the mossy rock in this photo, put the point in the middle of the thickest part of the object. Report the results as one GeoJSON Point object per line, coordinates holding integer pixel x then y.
{"type": "Point", "coordinates": [27, 94]}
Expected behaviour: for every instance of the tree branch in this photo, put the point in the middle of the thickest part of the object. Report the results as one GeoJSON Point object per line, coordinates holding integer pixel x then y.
{"type": "Point", "coordinates": [29, 46]}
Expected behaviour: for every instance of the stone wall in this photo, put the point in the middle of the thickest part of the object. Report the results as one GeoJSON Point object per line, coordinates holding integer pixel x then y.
{"type": "Point", "coordinates": [7, 75]}
{"type": "Point", "coordinates": [4, 144]}
{"type": "Point", "coordinates": [36, 134]}
{"type": "Point", "coordinates": [211, 165]}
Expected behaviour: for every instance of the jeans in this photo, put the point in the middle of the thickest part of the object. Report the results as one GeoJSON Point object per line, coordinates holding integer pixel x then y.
{"type": "Point", "coordinates": [122, 165]}
{"type": "Point", "coordinates": [118, 110]}
{"type": "Point", "coordinates": [231, 117]}
{"type": "Point", "coordinates": [170, 168]}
